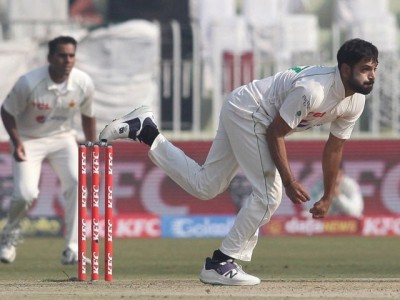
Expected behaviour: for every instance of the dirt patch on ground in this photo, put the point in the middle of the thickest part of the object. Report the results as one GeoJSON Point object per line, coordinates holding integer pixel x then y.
{"type": "Point", "coordinates": [193, 289]}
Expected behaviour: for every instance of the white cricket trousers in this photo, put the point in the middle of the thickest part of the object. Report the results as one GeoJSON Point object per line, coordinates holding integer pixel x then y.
{"type": "Point", "coordinates": [61, 152]}
{"type": "Point", "coordinates": [239, 142]}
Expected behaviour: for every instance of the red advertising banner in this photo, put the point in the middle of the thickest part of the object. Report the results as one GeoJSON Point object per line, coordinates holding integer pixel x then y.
{"type": "Point", "coordinates": [300, 226]}
{"type": "Point", "coordinates": [142, 188]}
{"type": "Point", "coordinates": [130, 226]}
{"type": "Point", "coordinates": [381, 226]}
{"type": "Point", "coordinates": [333, 226]}
{"type": "Point", "coordinates": [375, 165]}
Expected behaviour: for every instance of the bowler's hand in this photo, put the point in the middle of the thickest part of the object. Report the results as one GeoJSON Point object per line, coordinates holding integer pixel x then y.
{"type": "Point", "coordinates": [320, 208]}
{"type": "Point", "coordinates": [19, 153]}
{"type": "Point", "coordinates": [296, 193]}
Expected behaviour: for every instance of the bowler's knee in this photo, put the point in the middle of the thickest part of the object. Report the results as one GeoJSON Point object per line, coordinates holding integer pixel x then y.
{"type": "Point", "coordinates": [25, 194]}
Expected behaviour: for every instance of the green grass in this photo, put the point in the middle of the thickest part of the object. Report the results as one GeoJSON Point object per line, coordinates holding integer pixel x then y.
{"type": "Point", "coordinates": [283, 258]}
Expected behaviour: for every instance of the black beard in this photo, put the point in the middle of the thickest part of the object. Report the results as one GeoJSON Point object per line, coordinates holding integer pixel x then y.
{"type": "Point", "coordinates": [360, 88]}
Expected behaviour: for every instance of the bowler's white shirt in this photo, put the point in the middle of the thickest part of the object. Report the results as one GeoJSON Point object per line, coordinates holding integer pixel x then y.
{"type": "Point", "coordinates": [304, 97]}
{"type": "Point", "coordinates": [41, 109]}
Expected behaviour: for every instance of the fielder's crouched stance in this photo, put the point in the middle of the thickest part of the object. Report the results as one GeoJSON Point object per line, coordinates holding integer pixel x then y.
{"type": "Point", "coordinates": [38, 115]}
{"type": "Point", "coordinates": [254, 120]}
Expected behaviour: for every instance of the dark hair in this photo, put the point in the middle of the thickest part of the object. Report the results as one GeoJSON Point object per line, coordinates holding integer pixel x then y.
{"type": "Point", "coordinates": [355, 50]}
{"type": "Point", "coordinates": [59, 41]}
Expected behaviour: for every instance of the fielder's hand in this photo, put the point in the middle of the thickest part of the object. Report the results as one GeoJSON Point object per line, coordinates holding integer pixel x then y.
{"type": "Point", "coordinates": [19, 153]}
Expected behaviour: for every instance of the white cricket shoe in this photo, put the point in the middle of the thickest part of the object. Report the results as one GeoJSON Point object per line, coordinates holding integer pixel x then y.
{"type": "Point", "coordinates": [8, 251]}
{"type": "Point", "coordinates": [69, 257]}
{"type": "Point", "coordinates": [226, 273]}
{"type": "Point", "coordinates": [129, 126]}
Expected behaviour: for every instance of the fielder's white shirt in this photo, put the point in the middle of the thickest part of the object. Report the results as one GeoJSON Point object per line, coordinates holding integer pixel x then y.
{"type": "Point", "coordinates": [304, 97]}
{"type": "Point", "coordinates": [44, 108]}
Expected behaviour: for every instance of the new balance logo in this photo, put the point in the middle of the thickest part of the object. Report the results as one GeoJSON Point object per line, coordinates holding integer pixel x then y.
{"type": "Point", "coordinates": [231, 273]}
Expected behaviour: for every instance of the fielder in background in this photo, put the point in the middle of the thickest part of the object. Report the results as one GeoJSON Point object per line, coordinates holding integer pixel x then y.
{"type": "Point", "coordinates": [347, 198]}
{"type": "Point", "coordinates": [38, 115]}
{"type": "Point", "coordinates": [254, 121]}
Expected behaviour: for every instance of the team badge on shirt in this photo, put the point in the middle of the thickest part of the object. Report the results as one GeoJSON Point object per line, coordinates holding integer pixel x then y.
{"type": "Point", "coordinates": [40, 119]}
{"type": "Point", "coordinates": [310, 117]}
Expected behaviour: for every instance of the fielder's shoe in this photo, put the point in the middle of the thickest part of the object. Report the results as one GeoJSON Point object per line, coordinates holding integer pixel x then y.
{"type": "Point", "coordinates": [69, 257]}
{"type": "Point", "coordinates": [226, 273]}
{"type": "Point", "coordinates": [8, 251]}
{"type": "Point", "coordinates": [129, 126]}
